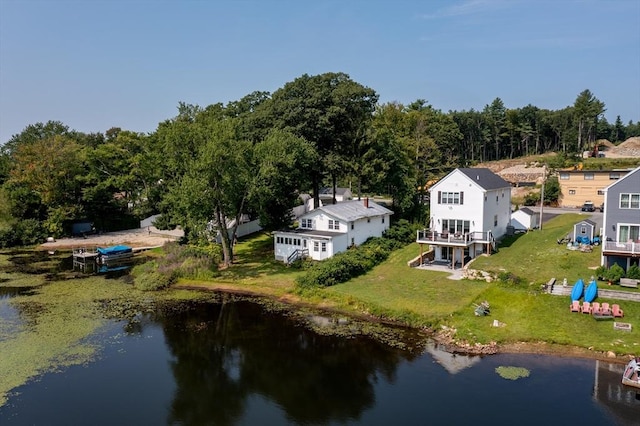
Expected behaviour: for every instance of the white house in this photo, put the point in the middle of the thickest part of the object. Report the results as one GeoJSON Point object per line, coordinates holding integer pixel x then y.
{"type": "Point", "coordinates": [331, 229]}
{"type": "Point", "coordinates": [342, 194]}
{"type": "Point", "coordinates": [470, 209]}
{"type": "Point", "coordinates": [525, 218]}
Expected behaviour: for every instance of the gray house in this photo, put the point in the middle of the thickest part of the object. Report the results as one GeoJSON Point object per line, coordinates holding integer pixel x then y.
{"type": "Point", "coordinates": [621, 227]}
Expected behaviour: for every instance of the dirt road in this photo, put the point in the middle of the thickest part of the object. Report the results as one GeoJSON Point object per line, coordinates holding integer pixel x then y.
{"type": "Point", "coordinates": [137, 238]}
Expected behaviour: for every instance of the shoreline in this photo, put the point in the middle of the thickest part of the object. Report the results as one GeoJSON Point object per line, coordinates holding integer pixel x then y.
{"type": "Point", "coordinates": [441, 337]}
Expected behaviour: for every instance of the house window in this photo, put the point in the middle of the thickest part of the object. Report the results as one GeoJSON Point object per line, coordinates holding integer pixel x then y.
{"type": "Point", "coordinates": [368, 220]}
{"type": "Point", "coordinates": [588, 176]}
{"type": "Point", "coordinates": [572, 192]}
{"type": "Point", "coordinates": [334, 224]}
{"type": "Point", "coordinates": [600, 191]}
{"type": "Point", "coordinates": [485, 197]}
{"type": "Point", "coordinates": [614, 176]}
{"type": "Point", "coordinates": [316, 246]}
{"type": "Point", "coordinates": [627, 233]}
{"type": "Point", "coordinates": [307, 223]}
{"type": "Point", "coordinates": [304, 243]}
{"type": "Point", "coordinates": [495, 220]}
{"type": "Point", "coordinates": [382, 219]}
{"type": "Point", "coordinates": [450, 197]}
{"type": "Point", "coordinates": [583, 230]}
{"type": "Point", "coordinates": [351, 225]}
{"type": "Point", "coordinates": [353, 242]}
{"type": "Point", "coordinates": [455, 226]}
{"type": "Point", "coordinates": [324, 246]}
{"type": "Point", "coordinates": [564, 176]}
{"type": "Point", "coordinates": [630, 201]}
{"type": "Point", "coordinates": [497, 199]}
{"type": "Point", "coordinates": [279, 240]}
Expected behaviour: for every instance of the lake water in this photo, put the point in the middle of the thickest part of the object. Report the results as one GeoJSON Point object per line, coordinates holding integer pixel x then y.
{"type": "Point", "coordinates": [240, 363]}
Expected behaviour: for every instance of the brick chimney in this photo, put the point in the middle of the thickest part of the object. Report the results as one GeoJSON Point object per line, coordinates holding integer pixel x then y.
{"type": "Point", "coordinates": [366, 202]}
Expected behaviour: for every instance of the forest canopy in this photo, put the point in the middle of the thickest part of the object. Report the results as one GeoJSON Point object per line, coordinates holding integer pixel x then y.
{"type": "Point", "coordinates": [209, 165]}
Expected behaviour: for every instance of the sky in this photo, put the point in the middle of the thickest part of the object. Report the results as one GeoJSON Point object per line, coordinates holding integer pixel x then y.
{"type": "Point", "coordinates": [97, 64]}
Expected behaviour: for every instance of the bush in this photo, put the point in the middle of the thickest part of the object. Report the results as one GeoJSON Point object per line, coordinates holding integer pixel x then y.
{"type": "Point", "coordinates": [25, 233]}
{"type": "Point", "coordinates": [349, 264]}
{"type": "Point", "coordinates": [633, 272]}
{"type": "Point", "coordinates": [148, 277]}
{"type": "Point", "coordinates": [615, 273]}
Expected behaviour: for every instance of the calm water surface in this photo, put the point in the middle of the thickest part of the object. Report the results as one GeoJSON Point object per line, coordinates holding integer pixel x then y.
{"type": "Point", "coordinates": [239, 364]}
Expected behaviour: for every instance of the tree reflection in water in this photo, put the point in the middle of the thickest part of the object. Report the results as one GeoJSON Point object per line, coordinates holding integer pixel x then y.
{"type": "Point", "coordinates": [226, 353]}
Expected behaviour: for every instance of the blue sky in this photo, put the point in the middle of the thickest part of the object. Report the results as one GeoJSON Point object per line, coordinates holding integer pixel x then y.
{"type": "Point", "coordinates": [96, 64]}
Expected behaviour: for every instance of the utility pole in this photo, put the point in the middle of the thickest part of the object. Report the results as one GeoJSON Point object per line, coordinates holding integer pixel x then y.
{"type": "Point", "coordinates": [544, 178]}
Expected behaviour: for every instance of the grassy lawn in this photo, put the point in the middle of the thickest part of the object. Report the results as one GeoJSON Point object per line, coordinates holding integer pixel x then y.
{"type": "Point", "coordinates": [536, 256]}
{"type": "Point", "coordinates": [254, 270]}
{"type": "Point", "coordinates": [418, 297]}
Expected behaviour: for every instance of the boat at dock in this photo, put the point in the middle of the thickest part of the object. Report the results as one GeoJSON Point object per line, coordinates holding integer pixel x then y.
{"type": "Point", "coordinates": [114, 254]}
{"type": "Point", "coordinates": [631, 375]}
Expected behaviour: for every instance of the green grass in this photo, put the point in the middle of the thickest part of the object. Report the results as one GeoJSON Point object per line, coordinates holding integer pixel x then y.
{"type": "Point", "coordinates": [418, 297]}
{"type": "Point", "coordinates": [536, 256]}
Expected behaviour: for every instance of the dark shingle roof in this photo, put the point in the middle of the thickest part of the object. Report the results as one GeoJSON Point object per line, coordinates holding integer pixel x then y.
{"type": "Point", "coordinates": [527, 210]}
{"type": "Point", "coordinates": [485, 178]}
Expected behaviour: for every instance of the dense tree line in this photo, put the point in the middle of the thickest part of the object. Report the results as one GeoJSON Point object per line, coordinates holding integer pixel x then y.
{"type": "Point", "coordinates": [209, 165]}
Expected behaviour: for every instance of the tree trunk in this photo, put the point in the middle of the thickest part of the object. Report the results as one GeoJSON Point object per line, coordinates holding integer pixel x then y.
{"type": "Point", "coordinates": [227, 252]}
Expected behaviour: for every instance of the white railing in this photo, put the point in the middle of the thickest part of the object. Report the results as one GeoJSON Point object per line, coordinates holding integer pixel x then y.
{"type": "Point", "coordinates": [433, 237]}
{"type": "Point", "coordinates": [619, 247]}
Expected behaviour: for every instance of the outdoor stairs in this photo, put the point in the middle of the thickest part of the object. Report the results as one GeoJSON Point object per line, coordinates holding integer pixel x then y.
{"type": "Point", "coordinates": [298, 254]}
{"type": "Point", "coordinates": [559, 290]}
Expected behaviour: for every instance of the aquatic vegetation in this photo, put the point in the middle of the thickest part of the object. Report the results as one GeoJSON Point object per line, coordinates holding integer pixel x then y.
{"type": "Point", "coordinates": [512, 373]}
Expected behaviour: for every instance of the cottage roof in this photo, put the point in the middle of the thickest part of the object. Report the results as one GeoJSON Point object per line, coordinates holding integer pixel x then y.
{"type": "Point", "coordinates": [354, 210]}
{"type": "Point", "coordinates": [329, 191]}
{"type": "Point", "coordinates": [485, 178]}
{"type": "Point", "coordinates": [527, 210]}
{"type": "Point", "coordinates": [587, 221]}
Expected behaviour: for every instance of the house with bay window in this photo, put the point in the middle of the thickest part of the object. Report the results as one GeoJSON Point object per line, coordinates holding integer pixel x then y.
{"type": "Point", "coordinates": [621, 223]}
{"type": "Point", "coordinates": [470, 209]}
{"type": "Point", "coordinates": [332, 229]}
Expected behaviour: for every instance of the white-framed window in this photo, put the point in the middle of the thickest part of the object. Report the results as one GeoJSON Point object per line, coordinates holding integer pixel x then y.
{"type": "Point", "coordinates": [316, 246]}
{"type": "Point", "coordinates": [627, 233]}
{"type": "Point", "coordinates": [455, 226]}
{"type": "Point", "coordinates": [324, 246]}
{"type": "Point", "coordinates": [352, 225]}
{"type": "Point", "coordinates": [572, 192]}
{"type": "Point", "coordinates": [588, 176]}
{"type": "Point", "coordinates": [564, 176]}
{"type": "Point", "coordinates": [497, 199]}
{"type": "Point", "coordinates": [382, 219]}
{"type": "Point", "coordinates": [334, 224]}
{"type": "Point", "coordinates": [583, 230]}
{"type": "Point", "coordinates": [614, 176]}
{"type": "Point", "coordinates": [306, 223]}
{"type": "Point", "coordinates": [445, 197]}
{"type": "Point", "coordinates": [630, 201]}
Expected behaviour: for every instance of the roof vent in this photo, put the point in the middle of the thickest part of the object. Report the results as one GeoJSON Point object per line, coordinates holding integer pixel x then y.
{"type": "Point", "coordinates": [477, 177]}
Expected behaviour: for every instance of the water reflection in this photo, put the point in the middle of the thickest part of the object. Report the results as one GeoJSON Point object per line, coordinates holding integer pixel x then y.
{"type": "Point", "coordinates": [226, 353]}
{"type": "Point", "coordinates": [239, 363]}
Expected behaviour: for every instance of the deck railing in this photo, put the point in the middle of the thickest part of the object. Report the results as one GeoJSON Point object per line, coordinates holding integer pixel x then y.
{"type": "Point", "coordinates": [620, 247]}
{"type": "Point", "coordinates": [458, 238]}
{"type": "Point", "coordinates": [297, 254]}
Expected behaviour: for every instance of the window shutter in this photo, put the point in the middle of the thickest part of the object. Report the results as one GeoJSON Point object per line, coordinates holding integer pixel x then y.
{"type": "Point", "coordinates": [439, 197]}
{"type": "Point", "coordinates": [461, 198]}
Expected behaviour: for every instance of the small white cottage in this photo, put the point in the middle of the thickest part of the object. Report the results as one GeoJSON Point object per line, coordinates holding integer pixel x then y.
{"type": "Point", "coordinates": [332, 229]}
{"type": "Point", "coordinates": [525, 219]}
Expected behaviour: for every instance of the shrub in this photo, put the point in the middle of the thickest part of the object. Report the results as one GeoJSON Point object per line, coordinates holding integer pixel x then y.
{"type": "Point", "coordinates": [148, 277]}
{"type": "Point", "coordinates": [601, 272]}
{"type": "Point", "coordinates": [633, 272]}
{"type": "Point", "coordinates": [615, 273]}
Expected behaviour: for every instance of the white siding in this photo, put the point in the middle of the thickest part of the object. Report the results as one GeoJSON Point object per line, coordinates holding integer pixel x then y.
{"type": "Point", "coordinates": [469, 210]}
{"type": "Point", "coordinates": [501, 208]}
